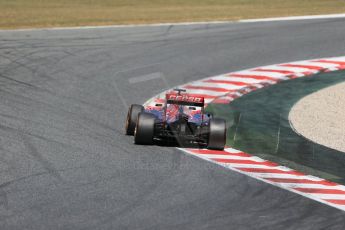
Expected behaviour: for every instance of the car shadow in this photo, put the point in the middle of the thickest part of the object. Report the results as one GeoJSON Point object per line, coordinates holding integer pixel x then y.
{"type": "Point", "coordinates": [178, 145]}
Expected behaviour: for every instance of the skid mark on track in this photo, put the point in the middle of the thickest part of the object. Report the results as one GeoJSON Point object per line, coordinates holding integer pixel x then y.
{"type": "Point", "coordinates": [33, 151]}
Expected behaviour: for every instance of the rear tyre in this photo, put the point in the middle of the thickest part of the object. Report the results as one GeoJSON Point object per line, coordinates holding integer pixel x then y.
{"type": "Point", "coordinates": [217, 134]}
{"type": "Point", "coordinates": [132, 117]}
{"type": "Point", "coordinates": [144, 130]}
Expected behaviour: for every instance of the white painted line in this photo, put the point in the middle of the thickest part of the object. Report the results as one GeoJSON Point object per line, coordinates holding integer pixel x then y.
{"type": "Point", "coordinates": [294, 18]}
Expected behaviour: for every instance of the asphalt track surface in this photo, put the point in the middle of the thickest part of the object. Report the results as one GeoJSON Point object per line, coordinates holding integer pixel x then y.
{"type": "Point", "coordinates": [66, 164]}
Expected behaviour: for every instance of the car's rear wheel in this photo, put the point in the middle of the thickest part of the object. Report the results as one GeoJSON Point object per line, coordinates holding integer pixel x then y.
{"type": "Point", "coordinates": [217, 134]}
{"type": "Point", "coordinates": [132, 117]}
{"type": "Point", "coordinates": [144, 130]}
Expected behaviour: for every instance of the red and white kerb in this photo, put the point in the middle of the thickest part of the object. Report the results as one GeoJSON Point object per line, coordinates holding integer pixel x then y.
{"type": "Point", "coordinates": [226, 88]}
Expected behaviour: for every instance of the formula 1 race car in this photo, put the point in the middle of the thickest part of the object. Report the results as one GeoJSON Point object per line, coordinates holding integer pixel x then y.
{"type": "Point", "coordinates": [180, 118]}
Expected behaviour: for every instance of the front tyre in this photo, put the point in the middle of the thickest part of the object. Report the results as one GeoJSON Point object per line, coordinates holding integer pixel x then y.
{"type": "Point", "coordinates": [132, 117]}
{"type": "Point", "coordinates": [144, 130]}
{"type": "Point", "coordinates": [217, 134]}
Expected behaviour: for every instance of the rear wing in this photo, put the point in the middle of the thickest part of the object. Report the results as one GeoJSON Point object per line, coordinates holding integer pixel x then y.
{"type": "Point", "coordinates": [184, 99]}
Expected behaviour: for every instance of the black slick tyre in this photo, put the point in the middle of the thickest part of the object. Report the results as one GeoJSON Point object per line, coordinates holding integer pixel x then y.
{"type": "Point", "coordinates": [217, 134]}
{"type": "Point", "coordinates": [144, 130]}
{"type": "Point", "coordinates": [132, 117]}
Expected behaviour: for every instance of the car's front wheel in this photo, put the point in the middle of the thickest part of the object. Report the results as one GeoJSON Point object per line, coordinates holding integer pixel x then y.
{"type": "Point", "coordinates": [144, 130]}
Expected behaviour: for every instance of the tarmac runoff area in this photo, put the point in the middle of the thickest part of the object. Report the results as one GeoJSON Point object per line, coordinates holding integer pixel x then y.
{"type": "Point", "coordinates": [320, 117]}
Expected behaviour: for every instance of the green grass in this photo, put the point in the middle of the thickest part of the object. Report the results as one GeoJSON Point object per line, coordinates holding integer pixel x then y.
{"type": "Point", "coordinates": [47, 13]}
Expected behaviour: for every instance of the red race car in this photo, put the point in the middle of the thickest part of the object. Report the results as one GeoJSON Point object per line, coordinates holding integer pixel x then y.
{"type": "Point", "coordinates": [180, 118]}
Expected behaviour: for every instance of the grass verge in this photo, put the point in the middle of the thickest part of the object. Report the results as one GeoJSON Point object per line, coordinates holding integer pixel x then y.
{"type": "Point", "coordinates": [49, 13]}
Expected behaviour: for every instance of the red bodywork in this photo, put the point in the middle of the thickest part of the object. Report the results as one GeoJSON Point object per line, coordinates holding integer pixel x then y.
{"type": "Point", "coordinates": [185, 99]}
{"type": "Point", "coordinates": [168, 109]}
{"type": "Point", "coordinates": [177, 103]}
